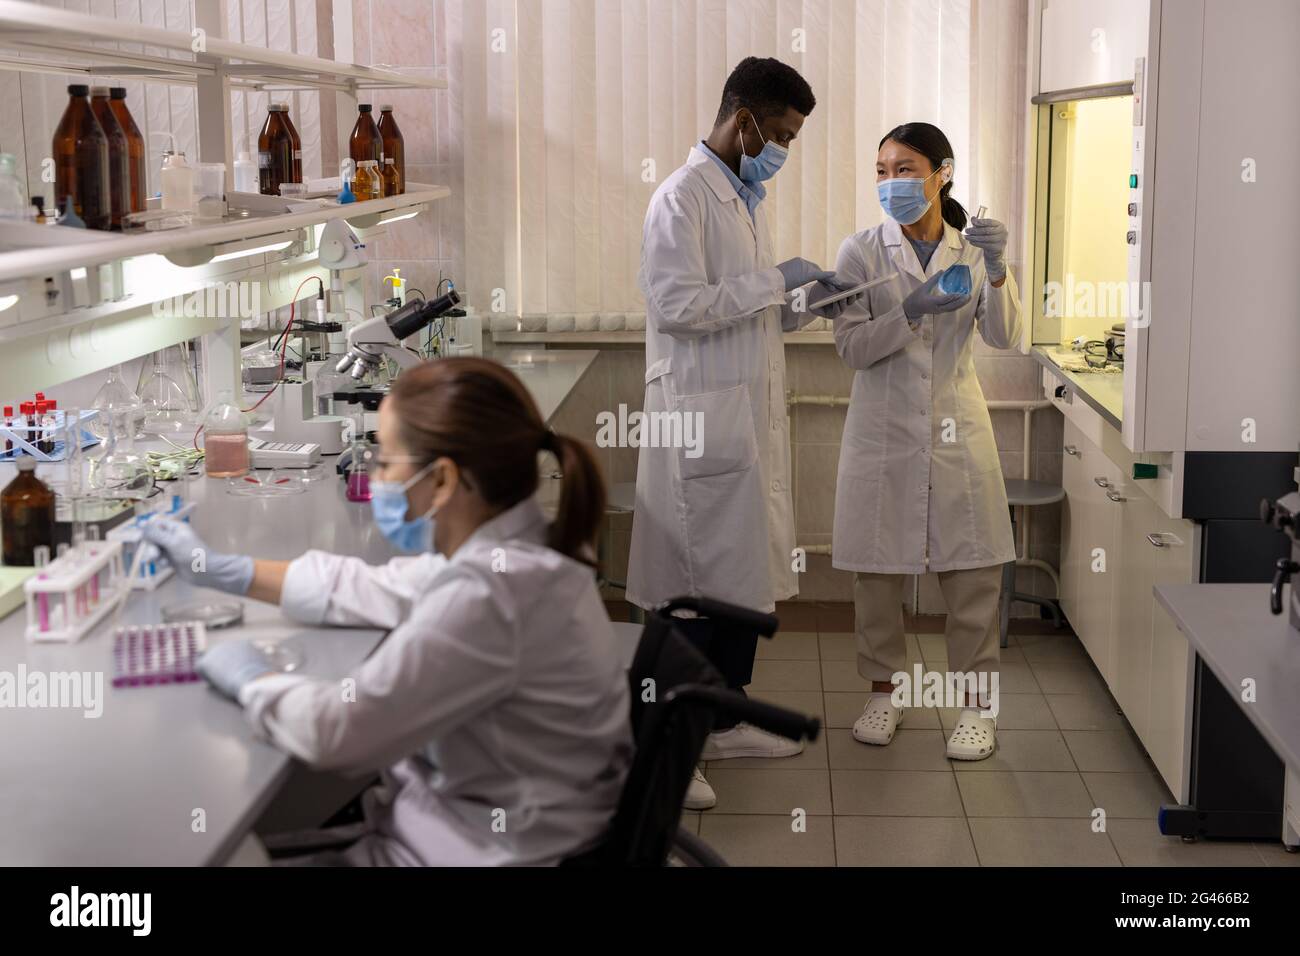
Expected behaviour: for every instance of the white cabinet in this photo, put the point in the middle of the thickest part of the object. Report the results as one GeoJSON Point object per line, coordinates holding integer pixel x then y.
{"type": "Point", "coordinates": [1090, 42]}
{"type": "Point", "coordinates": [1139, 651]}
{"type": "Point", "coordinates": [1090, 525]}
{"type": "Point", "coordinates": [1169, 736]}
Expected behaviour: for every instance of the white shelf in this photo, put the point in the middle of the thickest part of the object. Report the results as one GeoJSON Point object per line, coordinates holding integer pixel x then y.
{"type": "Point", "coordinates": [49, 40]}
{"type": "Point", "coordinates": [101, 247]}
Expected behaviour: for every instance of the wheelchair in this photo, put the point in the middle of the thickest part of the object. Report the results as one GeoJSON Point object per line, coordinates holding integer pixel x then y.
{"type": "Point", "coordinates": [676, 696]}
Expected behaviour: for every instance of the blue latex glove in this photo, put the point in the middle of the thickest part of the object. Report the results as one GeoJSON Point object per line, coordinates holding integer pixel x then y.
{"type": "Point", "coordinates": [229, 666]}
{"type": "Point", "coordinates": [991, 236]}
{"type": "Point", "coordinates": [826, 287]}
{"type": "Point", "coordinates": [194, 561]}
{"type": "Point", "coordinates": [797, 272]}
{"type": "Point", "coordinates": [928, 300]}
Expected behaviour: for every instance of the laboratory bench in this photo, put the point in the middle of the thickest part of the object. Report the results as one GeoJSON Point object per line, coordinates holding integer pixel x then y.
{"type": "Point", "coordinates": [1248, 648]}
{"type": "Point", "coordinates": [173, 774]}
{"type": "Point", "coordinates": [1102, 391]}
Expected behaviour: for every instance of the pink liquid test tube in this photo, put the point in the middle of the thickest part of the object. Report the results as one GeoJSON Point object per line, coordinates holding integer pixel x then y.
{"type": "Point", "coordinates": [43, 607]}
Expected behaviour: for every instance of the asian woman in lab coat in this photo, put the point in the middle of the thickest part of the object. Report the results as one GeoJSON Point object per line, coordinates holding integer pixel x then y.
{"type": "Point", "coordinates": [920, 486]}
{"type": "Point", "coordinates": [497, 706]}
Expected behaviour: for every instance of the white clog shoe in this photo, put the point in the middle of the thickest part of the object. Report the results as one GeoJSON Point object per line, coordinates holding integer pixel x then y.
{"type": "Point", "coordinates": [880, 718]}
{"type": "Point", "coordinates": [974, 737]}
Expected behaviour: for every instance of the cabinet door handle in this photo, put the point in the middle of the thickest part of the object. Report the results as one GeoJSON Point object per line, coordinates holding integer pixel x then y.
{"type": "Point", "coordinates": [1072, 450]}
{"type": "Point", "coordinates": [1164, 539]}
{"type": "Point", "coordinates": [1115, 496]}
{"type": "Point", "coordinates": [1102, 482]}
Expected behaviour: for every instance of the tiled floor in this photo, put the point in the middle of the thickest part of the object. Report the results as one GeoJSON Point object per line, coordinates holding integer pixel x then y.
{"type": "Point", "coordinates": [1064, 754]}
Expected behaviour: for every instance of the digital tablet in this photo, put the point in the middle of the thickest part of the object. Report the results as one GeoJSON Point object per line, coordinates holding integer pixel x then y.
{"type": "Point", "coordinates": [870, 283]}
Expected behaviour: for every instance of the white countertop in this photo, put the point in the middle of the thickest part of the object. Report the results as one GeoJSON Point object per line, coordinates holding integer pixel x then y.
{"type": "Point", "coordinates": [1104, 391]}
{"type": "Point", "coordinates": [122, 789]}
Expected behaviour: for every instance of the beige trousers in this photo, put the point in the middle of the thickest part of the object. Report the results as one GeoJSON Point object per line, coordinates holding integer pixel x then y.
{"type": "Point", "coordinates": [971, 629]}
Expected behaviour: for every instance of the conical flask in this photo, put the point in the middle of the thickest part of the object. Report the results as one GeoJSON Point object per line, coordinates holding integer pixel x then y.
{"type": "Point", "coordinates": [115, 399]}
{"type": "Point", "coordinates": [167, 407]}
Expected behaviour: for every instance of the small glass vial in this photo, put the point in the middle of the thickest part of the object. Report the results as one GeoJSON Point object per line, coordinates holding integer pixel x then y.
{"type": "Point", "coordinates": [358, 488]}
{"type": "Point", "coordinates": [367, 184]}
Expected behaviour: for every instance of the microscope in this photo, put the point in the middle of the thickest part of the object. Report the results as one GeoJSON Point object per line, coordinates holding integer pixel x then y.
{"type": "Point", "coordinates": [1284, 515]}
{"type": "Point", "coordinates": [380, 337]}
{"type": "Point", "coordinates": [368, 343]}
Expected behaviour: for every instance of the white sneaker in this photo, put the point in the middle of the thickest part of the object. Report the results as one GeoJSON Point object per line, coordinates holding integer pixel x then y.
{"type": "Point", "coordinates": [880, 718]}
{"type": "Point", "coordinates": [974, 737]}
{"type": "Point", "coordinates": [746, 740]}
{"type": "Point", "coordinates": [699, 795]}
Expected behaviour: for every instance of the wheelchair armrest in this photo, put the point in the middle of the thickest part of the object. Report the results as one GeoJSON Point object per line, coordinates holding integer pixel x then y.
{"type": "Point", "coordinates": [758, 621]}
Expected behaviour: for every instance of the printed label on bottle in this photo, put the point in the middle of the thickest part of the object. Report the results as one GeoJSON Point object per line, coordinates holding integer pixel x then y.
{"type": "Point", "coordinates": [297, 154]}
{"type": "Point", "coordinates": [264, 160]}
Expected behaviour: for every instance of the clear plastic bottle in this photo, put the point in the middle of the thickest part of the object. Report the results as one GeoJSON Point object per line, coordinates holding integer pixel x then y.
{"type": "Point", "coordinates": [12, 203]}
{"type": "Point", "coordinates": [245, 172]}
{"type": "Point", "coordinates": [26, 516]}
{"type": "Point", "coordinates": [177, 181]}
{"type": "Point", "coordinates": [225, 439]}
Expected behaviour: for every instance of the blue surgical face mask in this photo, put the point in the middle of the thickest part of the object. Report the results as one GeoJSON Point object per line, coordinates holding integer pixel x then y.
{"type": "Point", "coordinates": [388, 504]}
{"type": "Point", "coordinates": [904, 199]}
{"type": "Point", "coordinates": [756, 169]}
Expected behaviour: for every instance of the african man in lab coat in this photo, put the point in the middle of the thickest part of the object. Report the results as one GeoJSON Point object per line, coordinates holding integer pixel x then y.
{"type": "Point", "coordinates": [717, 519]}
{"type": "Point", "coordinates": [920, 485]}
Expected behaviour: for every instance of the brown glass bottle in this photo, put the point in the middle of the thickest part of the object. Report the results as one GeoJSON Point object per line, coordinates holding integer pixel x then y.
{"type": "Point", "coordinates": [135, 148]}
{"type": "Point", "coordinates": [392, 183]}
{"type": "Point", "coordinates": [274, 152]}
{"type": "Point", "coordinates": [365, 142]}
{"type": "Point", "coordinates": [394, 145]}
{"type": "Point", "coordinates": [119, 156]}
{"type": "Point", "coordinates": [297, 144]}
{"type": "Point", "coordinates": [26, 515]}
{"type": "Point", "coordinates": [81, 165]}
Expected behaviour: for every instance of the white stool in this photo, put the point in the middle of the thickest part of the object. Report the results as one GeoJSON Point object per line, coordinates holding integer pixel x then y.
{"type": "Point", "coordinates": [1022, 493]}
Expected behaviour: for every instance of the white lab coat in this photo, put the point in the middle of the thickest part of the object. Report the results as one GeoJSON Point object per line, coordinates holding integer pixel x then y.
{"type": "Point", "coordinates": [920, 486]}
{"type": "Point", "coordinates": [498, 697]}
{"type": "Point", "coordinates": [720, 524]}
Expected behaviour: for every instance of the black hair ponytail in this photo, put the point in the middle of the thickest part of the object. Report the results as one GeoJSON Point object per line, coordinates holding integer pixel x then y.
{"type": "Point", "coordinates": [929, 141]}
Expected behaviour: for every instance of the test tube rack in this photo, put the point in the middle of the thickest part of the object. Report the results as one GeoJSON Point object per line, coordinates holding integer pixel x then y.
{"type": "Point", "coordinates": [69, 596]}
{"type": "Point", "coordinates": [148, 574]}
{"type": "Point", "coordinates": [23, 438]}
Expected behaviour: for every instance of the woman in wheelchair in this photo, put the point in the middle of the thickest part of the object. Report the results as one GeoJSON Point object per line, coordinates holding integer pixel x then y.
{"type": "Point", "coordinates": [497, 707]}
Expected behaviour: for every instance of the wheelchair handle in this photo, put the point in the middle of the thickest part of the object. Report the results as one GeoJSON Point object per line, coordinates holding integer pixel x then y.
{"type": "Point", "coordinates": [769, 717]}
{"type": "Point", "coordinates": [763, 623]}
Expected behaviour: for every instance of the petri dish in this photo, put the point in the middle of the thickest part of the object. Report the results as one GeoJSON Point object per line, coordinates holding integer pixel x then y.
{"type": "Point", "coordinates": [282, 656]}
{"type": "Point", "coordinates": [268, 483]}
{"type": "Point", "coordinates": [214, 614]}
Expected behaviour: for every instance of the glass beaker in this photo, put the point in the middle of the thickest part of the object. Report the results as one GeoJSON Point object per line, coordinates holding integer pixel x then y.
{"type": "Point", "coordinates": [115, 398]}
{"type": "Point", "coordinates": [225, 439]}
{"type": "Point", "coordinates": [167, 406]}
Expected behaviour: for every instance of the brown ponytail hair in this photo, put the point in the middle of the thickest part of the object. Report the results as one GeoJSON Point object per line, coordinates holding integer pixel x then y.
{"type": "Point", "coordinates": [477, 413]}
